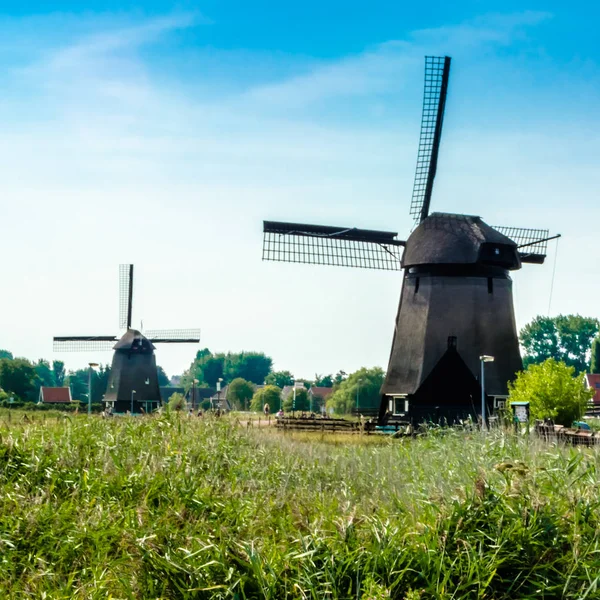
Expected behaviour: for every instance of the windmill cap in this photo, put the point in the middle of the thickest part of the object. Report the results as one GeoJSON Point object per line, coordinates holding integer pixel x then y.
{"type": "Point", "coordinates": [134, 341]}
{"type": "Point", "coordinates": [451, 239]}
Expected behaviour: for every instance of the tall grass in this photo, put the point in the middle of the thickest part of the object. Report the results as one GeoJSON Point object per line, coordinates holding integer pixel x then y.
{"type": "Point", "coordinates": [174, 507]}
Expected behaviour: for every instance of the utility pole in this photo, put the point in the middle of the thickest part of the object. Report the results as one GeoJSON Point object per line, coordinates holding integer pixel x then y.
{"type": "Point", "coordinates": [90, 367]}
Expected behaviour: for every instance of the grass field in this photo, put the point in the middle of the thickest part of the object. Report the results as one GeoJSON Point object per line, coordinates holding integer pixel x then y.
{"type": "Point", "coordinates": [173, 507]}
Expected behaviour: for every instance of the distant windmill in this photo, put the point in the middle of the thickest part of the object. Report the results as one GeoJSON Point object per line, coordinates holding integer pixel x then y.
{"type": "Point", "coordinates": [456, 303]}
{"type": "Point", "coordinates": [133, 381]}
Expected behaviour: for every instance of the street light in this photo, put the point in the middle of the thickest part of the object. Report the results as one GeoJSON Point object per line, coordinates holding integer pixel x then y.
{"type": "Point", "coordinates": [294, 400]}
{"type": "Point", "coordinates": [194, 382]}
{"type": "Point", "coordinates": [219, 392]}
{"type": "Point", "coordinates": [357, 392]}
{"type": "Point", "coordinates": [91, 366]}
{"type": "Point", "coordinates": [132, 393]}
{"type": "Point", "coordinates": [484, 358]}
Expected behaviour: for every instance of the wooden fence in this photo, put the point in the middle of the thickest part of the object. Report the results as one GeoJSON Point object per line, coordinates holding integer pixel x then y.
{"type": "Point", "coordinates": [318, 424]}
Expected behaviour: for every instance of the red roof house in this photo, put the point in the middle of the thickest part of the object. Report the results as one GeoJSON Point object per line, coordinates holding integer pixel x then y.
{"type": "Point", "coordinates": [592, 381]}
{"type": "Point", "coordinates": [55, 395]}
{"type": "Point", "coordinates": [320, 395]}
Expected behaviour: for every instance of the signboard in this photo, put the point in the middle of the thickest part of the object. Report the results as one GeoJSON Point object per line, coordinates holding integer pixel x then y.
{"type": "Point", "coordinates": [521, 412]}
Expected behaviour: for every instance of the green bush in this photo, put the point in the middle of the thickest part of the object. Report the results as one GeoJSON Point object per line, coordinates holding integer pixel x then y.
{"type": "Point", "coordinates": [302, 402]}
{"type": "Point", "coordinates": [362, 386]}
{"type": "Point", "coordinates": [553, 391]}
{"type": "Point", "coordinates": [270, 394]}
{"type": "Point", "coordinates": [177, 402]}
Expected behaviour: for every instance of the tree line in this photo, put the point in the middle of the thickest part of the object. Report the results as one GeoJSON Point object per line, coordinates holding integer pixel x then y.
{"type": "Point", "coordinates": [21, 379]}
{"type": "Point", "coordinates": [571, 340]}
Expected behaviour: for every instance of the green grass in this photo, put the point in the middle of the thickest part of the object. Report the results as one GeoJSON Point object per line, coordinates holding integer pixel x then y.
{"type": "Point", "coordinates": [176, 507]}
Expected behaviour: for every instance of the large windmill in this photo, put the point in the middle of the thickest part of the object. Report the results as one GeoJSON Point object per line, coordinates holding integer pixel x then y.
{"type": "Point", "coordinates": [456, 302]}
{"type": "Point", "coordinates": [133, 382]}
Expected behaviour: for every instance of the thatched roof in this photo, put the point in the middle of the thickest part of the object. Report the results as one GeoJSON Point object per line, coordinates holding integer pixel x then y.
{"type": "Point", "coordinates": [445, 238]}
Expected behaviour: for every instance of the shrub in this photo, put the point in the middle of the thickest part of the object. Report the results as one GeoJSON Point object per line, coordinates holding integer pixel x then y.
{"type": "Point", "coordinates": [240, 392]}
{"type": "Point", "coordinates": [302, 401]}
{"type": "Point", "coordinates": [270, 395]}
{"type": "Point", "coordinates": [177, 402]}
{"type": "Point", "coordinates": [552, 390]}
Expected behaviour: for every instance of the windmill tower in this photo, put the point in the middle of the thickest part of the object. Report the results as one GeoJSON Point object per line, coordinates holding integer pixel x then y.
{"type": "Point", "coordinates": [456, 302]}
{"type": "Point", "coordinates": [133, 382]}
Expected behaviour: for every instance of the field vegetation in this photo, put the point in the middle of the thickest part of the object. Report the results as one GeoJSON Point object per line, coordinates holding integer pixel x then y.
{"type": "Point", "coordinates": [180, 507]}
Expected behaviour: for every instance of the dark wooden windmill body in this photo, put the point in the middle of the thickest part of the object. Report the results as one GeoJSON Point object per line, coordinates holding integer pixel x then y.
{"type": "Point", "coordinates": [133, 381]}
{"type": "Point", "coordinates": [456, 302]}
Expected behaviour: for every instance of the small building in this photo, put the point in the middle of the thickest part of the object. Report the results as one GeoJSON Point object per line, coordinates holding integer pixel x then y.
{"type": "Point", "coordinates": [219, 399]}
{"type": "Point", "coordinates": [196, 396]}
{"type": "Point", "coordinates": [592, 381]}
{"type": "Point", "coordinates": [289, 389]}
{"type": "Point", "coordinates": [318, 396]}
{"type": "Point", "coordinates": [166, 391]}
{"type": "Point", "coordinates": [55, 395]}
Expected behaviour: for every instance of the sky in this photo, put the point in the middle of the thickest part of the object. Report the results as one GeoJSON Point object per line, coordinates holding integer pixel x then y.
{"type": "Point", "coordinates": [162, 134]}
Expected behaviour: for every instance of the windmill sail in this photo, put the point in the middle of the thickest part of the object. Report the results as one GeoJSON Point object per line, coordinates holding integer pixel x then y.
{"type": "Point", "coordinates": [532, 244]}
{"type": "Point", "coordinates": [335, 246]}
{"type": "Point", "coordinates": [84, 343]}
{"type": "Point", "coordinates": [173, 336]}
{"type": "Point", "coordinates": [437, 72]}
{"type": "Point", "coordinates": [125, 295]}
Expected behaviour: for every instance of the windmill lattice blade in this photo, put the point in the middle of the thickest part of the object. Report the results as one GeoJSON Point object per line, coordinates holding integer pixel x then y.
{"type": "Point", "coordinates": [532, 242]}
{"type": "Point", "coordinates": [335, 246]}
{"type": "Point", "coordinates": [125, 295]}
{"type": "Point", "coordinates": [84, 343]}
{"type": "Point", "coordinates": [173, 336]}
{"type": "Point", "coordinates": [437, 71]}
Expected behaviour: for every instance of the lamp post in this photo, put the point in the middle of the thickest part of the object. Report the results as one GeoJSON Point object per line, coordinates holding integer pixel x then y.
{"type": "Point", "coordinates": [91, 366]}
{"type": "Point", "coordinates": [294, 399]}
{"type": "Point", "coordinates": [219, 392]}
{"type": "Point", "coordinates": [194, 382]}
{"type": "Point", "coordinates": [357, 392]}
{"type": "Point", "coordinates": [132, 393]}
{"type": "Point", "coordinates": [484, 358]}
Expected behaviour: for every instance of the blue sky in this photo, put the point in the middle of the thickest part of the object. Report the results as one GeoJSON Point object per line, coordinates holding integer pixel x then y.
{"type": "Point", "coordinates": [162, 134]}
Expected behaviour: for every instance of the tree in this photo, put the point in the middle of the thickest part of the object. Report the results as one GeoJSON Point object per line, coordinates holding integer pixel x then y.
{"type": "Point", "coordinates": [177, 402]}
{"type": "Point", "coordinates": [251, 366]}
{"type": "Point", "coordinates": [212, 370]}
{"type": "Point", "coordinates": [78, 381]}
{"type": "Point", "coordinates": [6, 354]}
{"type": "Point", "coordinates": [565, 338]}
{"type": "Point", "coordinates": [365, 384]}
{"type": "Point", "coordinates": [301, 402]}
{"type": "Point", "coordinates": [553, 390]}
{"type": "Point", "coordinates": [279, 378]}
{"type": "Point", "coordinates": [339, 377]}
{"type": "Point", "coordinates": [163, 379]}
{"type": "Point", "coordinates": [270, 394]}
{"type": "Point", "coordinates": [240, 392]}
{"type": "Point", "coordinates": [100, 383]}
{"type": "Point", "coordinates": [595, 361]}
{"type": "Point", "coordinates": [18, 376]}
{"type": "Point", "coordinates": [45, 374]}
{"type": "Point", "coordinates": [324, 380]}
{"type": "Point", "coordinates": [58, 368]}
{"type": "Point", "coordinates": [208, 368]}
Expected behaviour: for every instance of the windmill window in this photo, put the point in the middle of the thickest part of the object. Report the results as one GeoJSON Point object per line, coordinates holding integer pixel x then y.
{"type": "Point", "coordinates": [417, 286]}
{"type": "Point", "coordinates": [490, 285]}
